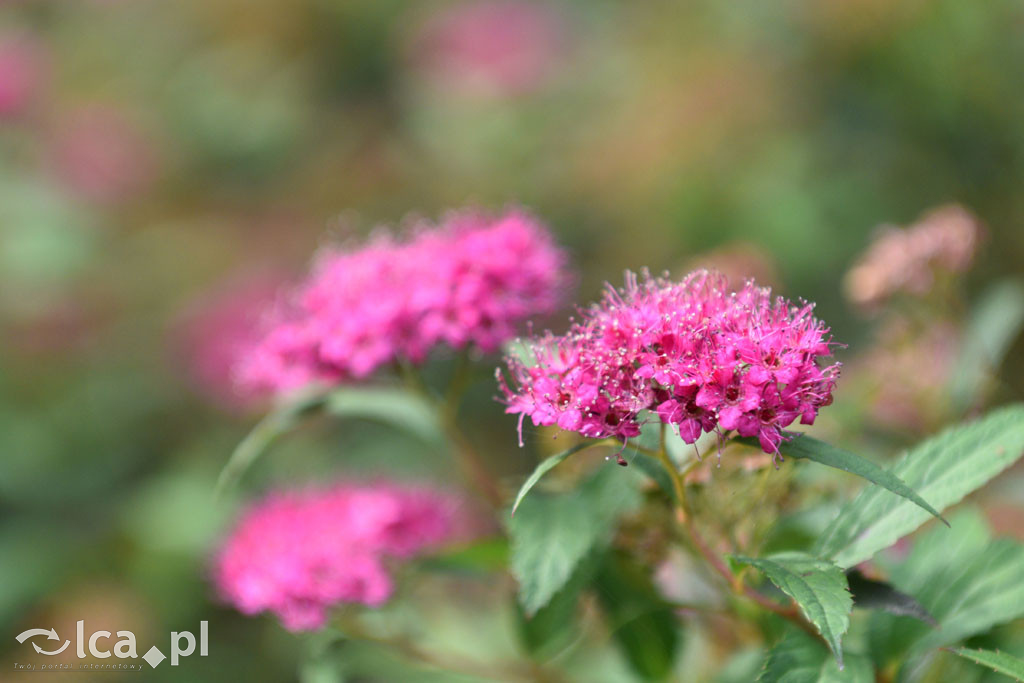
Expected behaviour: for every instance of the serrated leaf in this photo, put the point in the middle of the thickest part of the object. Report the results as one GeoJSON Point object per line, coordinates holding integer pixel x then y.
{"type": "Point", "coordinates": [817, 586]}
{"type": "Point", "coordinates": [966, 581]}
{"type": "Point", "coordinates": [798, 658]}
{"type": "Point", "coordinates": [543, 468]}
{"type": "Point", "coordinates": [805, 447]}
{"type": "Point", "coordinates": [943, 469]}
{"type": "Point", "coordinates": [640, 621]}
{"type": "Point", "coordinates": [391, 405]}
{"type": "Point", "coordinates": [555, 626]}
{"type": "Point", "coordinates": [999, 662]}
{"type": "Point", "coordinates": [551, 534]}
{"type": "Point", "coordinates": [275, 423]}
{"type": "Point", "coordinates": [995, 321]}
{"type": "Point", "coordinates": [870, 594]}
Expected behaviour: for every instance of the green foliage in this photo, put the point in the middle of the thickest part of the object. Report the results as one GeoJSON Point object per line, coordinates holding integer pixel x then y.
{"type": "Point", "coordinates": [967, 581]}
{"type": "Point", "coordinates": [555, 626]}
{"type": "Point", "coordinates": [798, 658]}
{"type": "Point", "coordinates": [543, 468]}
{"type": "Point", "coordinates": [817, 586]}
{"type": "Point", "coordinates": [640, 621]}
{"type": "Point", "coordinates": [275, 423]}
{"type": "Point", "coordinates": [390, 405]}
{"type": "Point", "coordinates": [994, 323]}
{"type": "Point", "coordinates": [808, 448]}
{"type": "Point", "coordinates": [943, 469]}
{"type": "Point", "coordinates": [997, 661]}
{"type": "Point", "coordinates": [551, 534]}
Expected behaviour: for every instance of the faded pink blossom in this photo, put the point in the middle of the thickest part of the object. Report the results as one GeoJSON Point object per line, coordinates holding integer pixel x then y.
{"type": "Point", "coordinates": [494, 47]}
{"type": "Point", "coordinates": [218, 328]}
{"type": "Point", "coordinates": [102, 155]}
{"type": "Point", "coordinates": [22, 71]}
{"type": "Point", "coordinates": [692, 354]}
{"type": "Point", "coordinates": [298, 554]}
{"type": "Point", "coordinates": [469, 282]}
{"type": "Point", "coordinates": [912, 260]}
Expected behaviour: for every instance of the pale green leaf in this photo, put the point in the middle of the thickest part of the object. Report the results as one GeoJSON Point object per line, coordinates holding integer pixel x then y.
{"type": "Point", "coordinates": [817, 586]}
{"type": "Point", "coordinates": [798, 658]}
{"type": "Point", "coordinates": [995, 321]}
{"type": "Point", "coordinates": [997, 661]}
{"type": "Point", "coordinates": [275, 423]}
{"type": "Point", "coordinates": [392, 405]}
{"type": "Point", "coordinates": [943, 470]}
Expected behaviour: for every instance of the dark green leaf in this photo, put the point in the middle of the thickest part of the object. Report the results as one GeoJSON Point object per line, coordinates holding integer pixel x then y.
{"type": "Point", "coordinates": [997, 661]}
{"type": "Point", "coordinates": [817, 586]}
{"type": "Point", "coordinates": [943, 469]}
{"type": "Point", "coordinates": [871, 594]}
{"type": "Point", "coordinates": [805, 447]}
{"type": "Point", "coordinates": [643, 625]}
{"type": "Point", "coordinates": [543, 468]}
{"type": "Point", "coordinates": [555, 626]}
{"type": "Point", "coordinates": [798, 658]}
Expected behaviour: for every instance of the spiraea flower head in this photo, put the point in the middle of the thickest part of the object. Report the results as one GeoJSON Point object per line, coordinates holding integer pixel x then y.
{"type": "Point", "coordinates": [694, 354]}
{"type": "Point", "coordinates": [911, 260]}
{"type": "Point", "coordinates": [466, 283]}
{"type": "Point", "coordinates": [298, 554]}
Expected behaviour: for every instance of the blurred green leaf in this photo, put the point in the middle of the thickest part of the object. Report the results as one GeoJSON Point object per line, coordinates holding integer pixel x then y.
{"type": "Point", "coordinates": [943, 469]}
{"type": "Point", "coordinates": [551, 534]}
{"type": "Point", "coordinates": [543, 468]}
{"type": "Point", "coordinates": [390, 405]}
{"type": "Point", "coordinates": [997, 661]}
{"type": "Point", "coordinates": [967, 582]}
{"type": "Point", "coordinates": [642, 623]}
{"type": "Point", "coordinates": [817, 586]}
{"type": "Point", "coordinates": [995, 322]}
{"type": "Point", "coordinates": [798, 658]}
{"type": "Point", "coordinates": [274, 424]}
{"type": "Point", "coordinates": [555, 626]}
{"type": "Point", "coordinates": [483, 556]}
{"type": "Point", "coordinates": [808, 448]}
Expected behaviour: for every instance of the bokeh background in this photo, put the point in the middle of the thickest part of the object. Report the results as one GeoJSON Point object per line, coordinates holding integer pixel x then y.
{"type": "Point", "coordinates": [166, 166]}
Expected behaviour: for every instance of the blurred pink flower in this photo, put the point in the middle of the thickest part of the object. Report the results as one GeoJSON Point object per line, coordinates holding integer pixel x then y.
{"type": "Point", "coordinates": [102, 155]}
{"type": "Point", "coordinates": [494, 47]}
{"type": "Point", "coordinates": [221, 326]}
{"type": "Point", "coordinates": [468, 282]}
{"type": "Point", "coordinates": [22, 71]}
{"type": "Point", "coordinates": [911, 260]}
{"type": "Point", "coordinates": [699, 357]}
{"type": "Point", "coordinates": [298, 554]}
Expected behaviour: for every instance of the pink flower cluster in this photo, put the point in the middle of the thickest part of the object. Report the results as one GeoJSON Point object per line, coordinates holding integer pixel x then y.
{"type": "Point", "coordinates": [694, 354]}
{"type": "Point", "coordinates": [298, 554]}
{"type": "Point", "coordinates": [912, 260]}
{"type": "Point", "coordinates": [468, 282]}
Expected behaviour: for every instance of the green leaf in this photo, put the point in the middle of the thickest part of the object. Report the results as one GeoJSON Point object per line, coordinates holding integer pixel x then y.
{"type": "Point", "coordinates": [995, 321]}
{"type": "Point", "coordinates": [483, 556]}
{"type": "Point", "coordinates": [391, 405]}
{"type": "Point", "coordinates": [997, 661]}
{"type": "Point", "coordinates": [871, 594]}
{"type": "Point", "coordinates": [555, 626]}
{"type": "Point", "coordinates": [551, 534]}
{"type": "Point", "coordinates": [275, 423]}
{"type": "Point", "coordinates": [967, 582]}
{"type": "Point", "coordinates": [643, 625]}
{"type": "Point", "coordinates": [798, 658]}
{"type": "Point", "coordinates": [943, 469]}
{"type": "Point", "coordinates": [543, 468]}
{"type": "Point", "coordinates": [805, 447]}
{"type": "Point", "coordinates": [817, 586]}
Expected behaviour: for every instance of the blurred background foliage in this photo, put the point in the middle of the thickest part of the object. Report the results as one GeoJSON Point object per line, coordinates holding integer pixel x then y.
{"type": "Point", "coordinates": [164, 167]}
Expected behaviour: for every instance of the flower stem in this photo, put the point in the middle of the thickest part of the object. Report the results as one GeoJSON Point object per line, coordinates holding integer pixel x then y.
{"type": "Point", "coordinates": [735, 582]}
